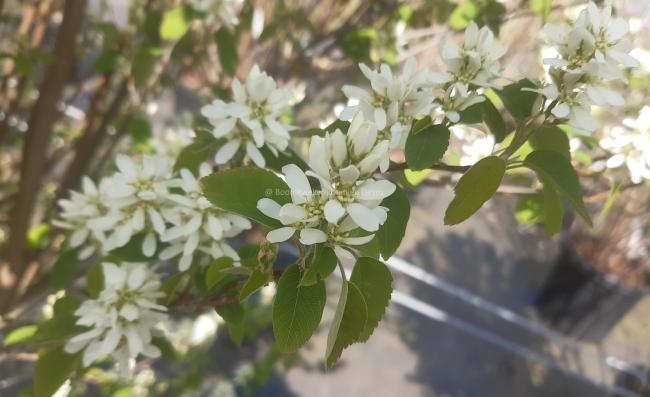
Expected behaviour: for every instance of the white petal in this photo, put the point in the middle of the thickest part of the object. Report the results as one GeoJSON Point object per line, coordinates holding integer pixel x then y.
{"type": "Point", "coordinates": [333, 211]}
{"type": "Point", "coordinates": [280, 235]}
{"type": "Point", "coordinates": [310, 236]}
{"type": "Point", "coordinates": [298, 182]}
{"type": "Point", "coordinates": [255, 155]}
{"type": "Point", "coordinates": [363, 216]}
{"type": "Point", "coordinates": [149, 245]}
{"type": "Point", "coordinates": [227, 151]}
{"type": "Point", "coordinates": [269, 207]}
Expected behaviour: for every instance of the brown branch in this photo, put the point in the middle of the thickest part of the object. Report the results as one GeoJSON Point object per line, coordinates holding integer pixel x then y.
{"type": "Point", "coordinates": [41, 121]}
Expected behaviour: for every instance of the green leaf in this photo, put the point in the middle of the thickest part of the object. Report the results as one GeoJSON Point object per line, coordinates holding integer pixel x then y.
{"type": "Point", "coordinates": [132, 251]}
{"type": "Point", "coordinates": [493, 120]}
{"type": "Point", "coordinates": [390, 234]}
{"type": "Point", "coordinates": [238, 190]}
{"type": "Point", "coordinates": [426, 147]}
{"type": "Point", "coordinates": [257, 280]}
{"type": "Point", "coordinates": [323, 263]}
{"type": "Point", "coordinates": [140, 131]}
{"type": "Point", "coordinates": [474, 188]}
{"type": "Point", "coordinates": [370, 249]}
{"type": "Point", "coordinates": [227, 50]}
{"type": "Point", "coordinates": [348, 324]}
{"type": "Point", "coordinates": [553, 210]}
{"type": "Point", "coordinates": [376, 285]}
{"type": "Point", "coordinates": [20, 335]}
{"type": "Point", "coordinates": [542, 7]}
{"type": "Point", "coordinates": [471, 115]}
{"type": "Point", "coordinates": [283, 158]}
{"type": "Point", "coordinates": [172, 285]}
{"type": "Point", "coordinates": [64, 269]}
{"type": "Point", "coordinates": [193, 155]}
{"type": "Point", "coordinates": [519, 103]}
{"type": "Point", "coordinates": [248, 255]}
{"type": "Point", "coordinates": [551, 138]}
{"type": "Point", "coordinates": [108, 61]}
{"type": "Point", "coordinates": [297, 310]}
{"type": "Point", "coordinates": [53, 368]}
{"type": "Point", "coordinates": [233, 315]}
{"type": "Point", "coordinates": [214, 273]}
{"type": "Point", "coordinates": [463, 14]}
{"type": "Point", "coordinates": [176, 22]}
{"type": "Point", "coordinates": [95, 280]}
{"type": "Point", "coordinates": [529, 209]}
{"type": "Point", "coordinates": [559, 171]}
{"type": "Point", "coordinates": [414, 178]}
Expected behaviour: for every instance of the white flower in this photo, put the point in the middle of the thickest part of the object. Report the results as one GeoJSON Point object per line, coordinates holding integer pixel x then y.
{"type": "Point", "coordinates": [196, 221]}
{"type": "Point", "coordinates": [594, 45]}
{"type": "Point", "coordinates": [341, 238]}
{"type": "Point", "coordinates": [348, 158]}
{"type": "Point", "coordinates": [475, 61]}
{"type": "Point", "coordinates": [122, 318]}
{"type": "Point", "coordinates": [251, 121]}
{"type": "Point", "coordinates": [395, 99]}
{"type": "Point", "coordinates": [223, 10]}
{"type": "Point", "coordinates": [631, 146]}
{"type": "Point", "coordinates": [78, 211]}
{"type": "Point", "coordinates": [135, 195]}
{"type": "Point", "coordinates": [456, 99]}
{"type": "Point", "coordinates": [303, 214]}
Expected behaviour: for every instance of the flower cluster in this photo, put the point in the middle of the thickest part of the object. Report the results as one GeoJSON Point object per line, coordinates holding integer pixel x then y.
{"type": "Point", "coordinates": [396, 100]}
{"type": "Point", "coordinates": [250, 122]}
{"type": "Point", "coordinates": [630, 146]}
{"type": "Point", "coordinates": [147, 198]}
{"type": "Point", "coordinates": [590, 52]}
{"type": "Point", "coordinates": [349, 197]}
{"type": "Point", "coordinates": [121, 319]}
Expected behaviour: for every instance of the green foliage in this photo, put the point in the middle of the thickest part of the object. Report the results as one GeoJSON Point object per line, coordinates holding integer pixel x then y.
{"type": "Point", "coordinates": [390, 234]}
{"type": "Point", "coordinates": [474, 188]}
{"type": "Point", "coordinates": [375, 284]}
{"type": "Point", "coordinates": [108, 61]}
{"type": "Point", "coordinates": [53, 368]}
{"type": "Point", "coordinates": [238, 190]}
{"type": "Point", "coordinates": [297, 310]}
{"type": "Point", "coordinates": [519, 103]}
{"type": "Point", "coordinates": [553, 210]}
{"type": "Point", "coordinates": [357, 44]}
{"type": "Point", "coordinates": [257, 280]}
{"type": "Point", "coordinates": [542, 7]}
{"type": "Point", "coordinates": [348, 324]}
{"type": "Point", "coordinates": [95, 280]}
{"type": "Point", "coordinates": [557, 169]}
{"type": "Point", "coordinates": [176, 22]}
{"type": "Point", "coordinates": [20, 335]}
{"type": "Point", "coordinates": [492, 118]}
{"type": "Point", "coordinates": [322, 263]}
{"type": "Point", "coordinates": [140, 132]}
{"type": "Point", "coordinates": [233, 315]}
{"type": "Point", "coordinates": [132, 251]}
{"type": "Point", "coordinates": [214, 272]}
{"type": "Point", "coordinates": [197, 152]}
{"type": "Point", "coordinates": [64, 269]}
{"type": "Point", "coordinates": [283, 158]}
{"type": "Point", "coordinates": [551, 138]}
{"type": "Point", "coordinates": [227, 50]}
{"type": "Point", "coordinates": [426, 147]}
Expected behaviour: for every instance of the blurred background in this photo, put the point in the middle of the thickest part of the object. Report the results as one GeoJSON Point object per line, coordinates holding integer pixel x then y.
{"type": "Point", "coordinates": [492, 307]}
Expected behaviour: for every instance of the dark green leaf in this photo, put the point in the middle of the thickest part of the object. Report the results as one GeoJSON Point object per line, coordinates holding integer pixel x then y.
{"type": "Point", "coordinates": [557, 169]}
{"type": "Point", "coordinates": [108, 61]}
{"type": "Point", "coordinates": [553, 210]}
{"type": "Point", "coordinates": [474, 188]}
{"type": "Point", "coordinates": [493, 120]}
{"type": "Point", "coordinates": [283, 158]}
{"type": "Point", "coordinates": [376, 285]}
{"type": "Point", "coordinates": [348, 324]}
{"type": "Point", "coordinates": [53, 368]}
{"type": "Point", "coordinates": [226, 46]}
{"type": "Point", "coordinates": [551, 138]}
{"type": "Point", "coordinates": [132, 251]}
{"type": "Point", "coordinates": [390, 234]}
{"type": "Point", "coordinates": [214, 271]}
{"type": "Point", "coordinates": [238, 190]}
{"type": "Point", "coordinates": [323, 263]}
{"type": "Point", "coordinates": [95, 280]}
{"type": "Point", "coordinates": [64, 269]}
{"type": "Point", "coordinates": [296, 310]}
{"type": "Point", "coordinates": [425, 148]}
{"type": "Point", "coordinates": [257, 280]}
{"type": "Point", "coordinates": [519, 103]}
